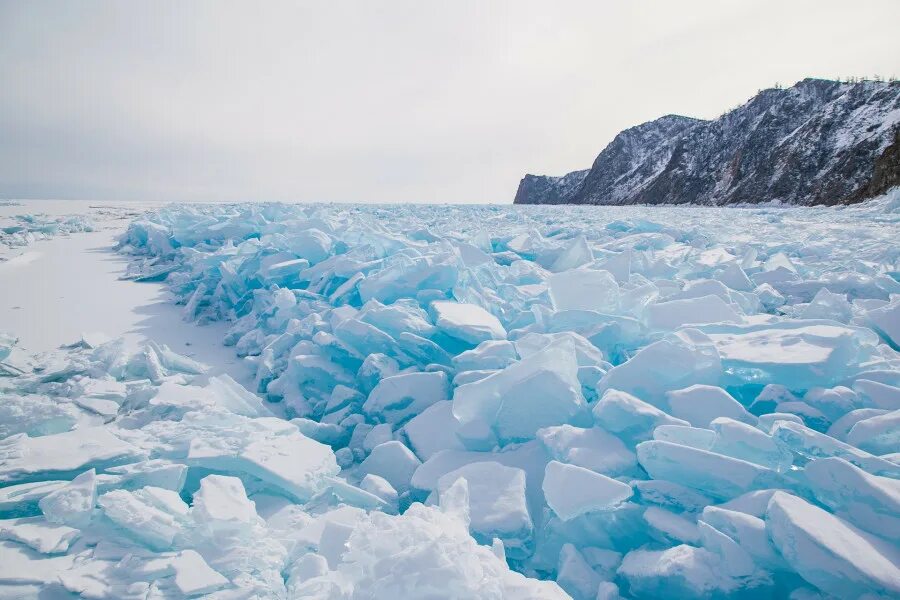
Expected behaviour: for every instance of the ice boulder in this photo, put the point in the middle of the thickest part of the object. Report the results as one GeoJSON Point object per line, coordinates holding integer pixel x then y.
{"type": "Point", "coordinates": [38, 534]}
{"type": "Point", "coordinates": [748, 531]}
{"type": "Point", "coordinates": [538, 391]}
{"type": "Point", "coordinates": [829, 553]}
{"type": "Point", "coordinates": [24, 458]}
{"type": "Point", "coordinates": [153, 516]}
{"type": "Point", "coordinates": [426, 552]}
{"type": "Point", "coordinates": [491, 354]}
{"type": "Point", "coordinates": [313, 245]}
{"type": "Point", "coordinates": [886, 321]}
{"type": "Point", "coordinates": [714, 474]}
{"type": "Point", "coordinates": [879, 434]}
{"type": "Point", "coordinates": [668, 316]}
{"type": "Point", "coordinates": [575, 575]}
{"type": "Point", "coordinates": [194, 577]}
{"type": "Point", "coordinates": [629, 417]}
{"type": "Point", "coordinates": [572, 491]}
{"type": "Point", "coordinates": [684, 572]}
{"type": "Point", "coordinates": [467, 322]}
{"type": "Point", "coordinates": [398, 398]}
{"type": "Point", "coordinates": [805, 353]}
{"type": "Point", "coordinates": [584, 289]}
{"type": "Point", "coordinates": [394, 462]}
{"type": "Point", "coordinates": [433, 430]}
{"type": "Point", "coordinates": [869, 501]}
{"type": "Point", "coordinates": [73, 503]}
{"type": "Point", "coordinates": [677, 361]}
{"type": "Point", "coordinates": [221, 504]}
{"type": "Point", "coordinates": [700, 404]}
{"type": "Point", "coordinates": [592, 448]}
{"type": "Point", "coordinates": [497, 505]}
{"type": "Point", "coordinates": [267, 448]}
{"type": "Point", "coordinates": [740, 440]}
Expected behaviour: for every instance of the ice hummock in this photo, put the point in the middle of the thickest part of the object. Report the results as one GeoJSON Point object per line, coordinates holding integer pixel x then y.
{"type": "Point", "coordinates": [475, 402]}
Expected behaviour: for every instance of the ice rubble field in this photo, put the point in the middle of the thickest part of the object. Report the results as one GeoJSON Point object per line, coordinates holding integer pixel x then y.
{"type": "Point", "coordinates": [20, 231]}
{"type": "Point", "coordinates": [476, 402]}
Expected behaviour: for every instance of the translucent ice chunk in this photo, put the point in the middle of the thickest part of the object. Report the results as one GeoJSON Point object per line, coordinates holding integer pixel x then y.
{"type": "Point", "coordinates": [746, 442]}
{"type": "Point", "coordinates": [805, 353]}
{"type": "Point", "coordinates": [193, 576]}
{"type": "Point", "coordinates": [585, 289]}
{"type": "Point", "coordinates": [73, 503]}
{"type": "Point", "coordinates": [497, 506]}
{"type": "Point", "coordinates": [572, 491]}
{"type": "Point", "coordinates": [23, 498]}
{"type": "Point", "coordinates": [25, 458]}
{"type": "Point", "coordinates": [682, 359]}
{"type": "Point", "coordinates": [668, 316]}
{"type": "Point", "coordinates": [575, 575]}
{"type": "Point", "coordinates": [886, 321]}
{"type": "Point", "coordinates": [576, 254]}
{"type": "Point", "coordinates": [467, 322]}
{"type": "Point", "coordinates": [151, 515]}
{"type": "Point", "coordinates": [812, 444]}
{"type": "Point", "coordinates": [748, 532]}
{"type": "Point", "coordinates": [869, 501]}
{"type": "Point", "coordinates": [714, 474]}
{"type": "Point", "coordinates": [695, 437]}
{"type": "Point", "coordinates": [538, 391]}
{"type": "Point", "coordinates": [879, 434]}
{"type": "Point", "coordinates": [828, 552]}
{"type": "Point", "coordinates": [593, 449]}
{"type": "Point", "coordinates": [394, 462]}
{"type": "Point", "coordinates": [46, 538]}
{"type": "Point", "coordinates": [700, 404]}
{"type": "Point", "coordinates": [433, 430]}
{"type": "Point", "coordinates": [630, 417]}
{"type": "Point", "coordinates": [397, 398]}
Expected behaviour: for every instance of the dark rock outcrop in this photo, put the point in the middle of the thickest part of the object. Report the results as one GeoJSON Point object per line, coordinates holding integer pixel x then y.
{"type": "Point", "coordinates": [818, 142]}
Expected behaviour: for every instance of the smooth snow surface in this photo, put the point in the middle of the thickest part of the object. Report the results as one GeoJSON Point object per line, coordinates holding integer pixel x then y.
{"type": "Point", "coordinates": [383, 402]}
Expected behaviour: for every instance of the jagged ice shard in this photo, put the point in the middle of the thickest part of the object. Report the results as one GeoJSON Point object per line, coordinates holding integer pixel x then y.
{"type": "Point", "coordinates": [475, 402]}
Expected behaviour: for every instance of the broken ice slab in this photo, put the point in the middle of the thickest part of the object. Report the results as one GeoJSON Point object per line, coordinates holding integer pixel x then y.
{"type": "Point", "coordinates": [268, 448]}
{"type": "Point", "coordinates": [38, 534]}
{"type": "Point", "coordinates": [497, 504]}
{"type": "Point", "coordinates": [714, 474]}
{"type": "Point", "coordinates": [869, 501]}
{"type": "Point", "coordinates": [804, 353]}
{"type": "Point", "coordinates": [830, 553]}
{"type": "Point", "coordinates": [468, 322]}
{"type": "Point", "coordinates": [572, 491]}
{"type": "Point", "coordinates": [62, 455]}
{"type": "Point", "coordinates": [538, 391]}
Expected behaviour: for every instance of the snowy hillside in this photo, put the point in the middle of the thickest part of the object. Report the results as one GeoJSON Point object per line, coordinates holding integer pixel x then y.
{"type": "Point", "coordinates": [818, 142]}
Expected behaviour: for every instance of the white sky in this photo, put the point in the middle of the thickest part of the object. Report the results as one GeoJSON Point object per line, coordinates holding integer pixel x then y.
{"type": "Point", "coordinates": [396, 101]}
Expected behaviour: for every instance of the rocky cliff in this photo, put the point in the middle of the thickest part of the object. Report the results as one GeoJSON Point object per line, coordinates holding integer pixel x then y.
{"type": "Point", "coordinates": [818, 142]}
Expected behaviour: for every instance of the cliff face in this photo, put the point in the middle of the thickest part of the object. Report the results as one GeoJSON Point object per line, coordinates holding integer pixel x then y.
{"type": "Point", "coordinates": [818, 142]}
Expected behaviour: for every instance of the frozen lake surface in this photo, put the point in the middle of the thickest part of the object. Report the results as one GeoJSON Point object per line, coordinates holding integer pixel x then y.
{"type": "Point", "coordinates": [348, 401]}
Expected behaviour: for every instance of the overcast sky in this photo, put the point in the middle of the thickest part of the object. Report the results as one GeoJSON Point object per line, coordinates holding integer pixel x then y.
{"type": "Point", "coordinates": [394, 101]}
